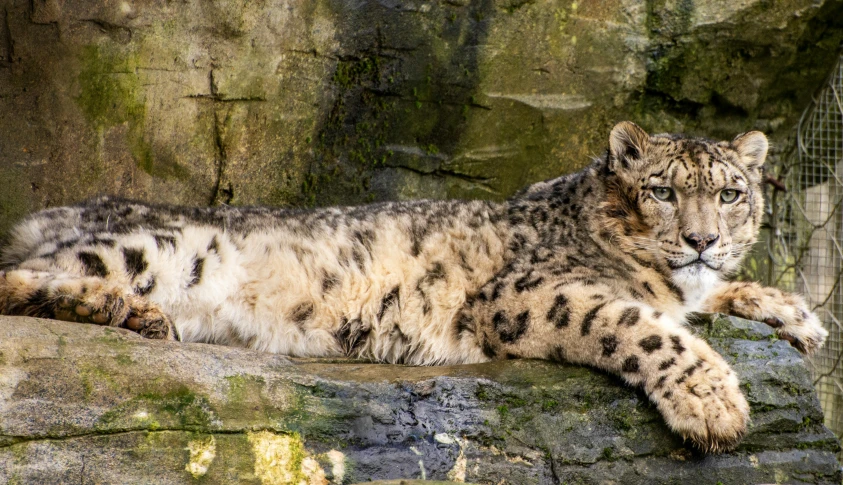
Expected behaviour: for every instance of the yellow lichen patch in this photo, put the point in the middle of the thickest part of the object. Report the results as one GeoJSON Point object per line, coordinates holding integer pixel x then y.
{"type": "Point", "coordinates": [337, 459]}
{"type": "Point", "coordinates": [313, 473]}
{"type": "Point", "coordinates": [282, 460]}
{"type": "Point", "coordinates": [202, 453]}
{"type": "Point", "coordinates": [457, 473]}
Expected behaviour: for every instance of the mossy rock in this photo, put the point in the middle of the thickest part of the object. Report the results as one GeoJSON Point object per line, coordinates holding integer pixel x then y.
{"type": "Point", "coordinates": [104, 405]}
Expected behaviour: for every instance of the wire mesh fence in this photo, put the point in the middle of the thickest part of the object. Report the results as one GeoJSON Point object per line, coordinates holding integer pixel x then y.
{"type": "Point", "coordinates": [805, 248]}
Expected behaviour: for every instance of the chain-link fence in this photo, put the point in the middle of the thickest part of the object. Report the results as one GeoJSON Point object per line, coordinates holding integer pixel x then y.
{"type": "Point", "coordinates": [806, 245]}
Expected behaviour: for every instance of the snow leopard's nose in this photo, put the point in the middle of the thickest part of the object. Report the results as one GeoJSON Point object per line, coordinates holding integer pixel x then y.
{"type": "Point", "coordinates": [700, 243]}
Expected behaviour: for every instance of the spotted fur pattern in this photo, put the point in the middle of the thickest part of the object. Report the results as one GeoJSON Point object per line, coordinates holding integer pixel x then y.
{"type": "Point", "coordinates": [598, 268]}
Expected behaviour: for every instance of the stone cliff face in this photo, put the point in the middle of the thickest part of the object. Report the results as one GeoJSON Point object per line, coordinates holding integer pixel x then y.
{"type": "Point", "coordinates": [87, 404]}
{"type": "Point", "coordinates": [302, 102]}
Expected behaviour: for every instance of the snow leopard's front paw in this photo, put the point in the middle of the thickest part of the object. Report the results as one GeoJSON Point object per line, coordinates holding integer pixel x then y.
{"type": "Point", "coordinates": [786, 312]}
{"type": "Point", "coordinates": [704, 404]}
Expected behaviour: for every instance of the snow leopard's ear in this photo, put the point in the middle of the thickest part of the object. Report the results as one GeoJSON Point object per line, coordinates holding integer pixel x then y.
{"type": "Point", "coordinates": [627, 144]}
{"type": "Point", "coordinates": [752, 148]}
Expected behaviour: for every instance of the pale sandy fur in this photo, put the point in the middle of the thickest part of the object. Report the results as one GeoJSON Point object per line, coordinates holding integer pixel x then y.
{"type": "Point", "coordinates": [256, 282]}
{"type": "Point", "coordinates": [594, 268]}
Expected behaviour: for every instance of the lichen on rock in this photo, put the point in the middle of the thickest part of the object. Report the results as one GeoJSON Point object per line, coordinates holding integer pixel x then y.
{"type": "Point", "coordinates": [108, 406]}
{"type": "Point", "coordinates": [203, 450]}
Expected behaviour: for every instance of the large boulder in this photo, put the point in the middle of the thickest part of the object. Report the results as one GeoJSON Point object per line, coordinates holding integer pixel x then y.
{"type": "Point", "coordinates": [300, 102]}
{"type": "Point", "coordinates": [87, 404]}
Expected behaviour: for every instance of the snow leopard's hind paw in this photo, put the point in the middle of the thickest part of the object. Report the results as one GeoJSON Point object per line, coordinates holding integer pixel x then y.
{"type": "Point", "coordinates": [81, 299]}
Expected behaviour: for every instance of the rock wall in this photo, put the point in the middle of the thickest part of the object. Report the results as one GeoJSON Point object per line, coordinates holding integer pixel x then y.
{"type": "Point", "coordinates": [302, 102]}
{"type": "Point", "coordinates": [87, 404]}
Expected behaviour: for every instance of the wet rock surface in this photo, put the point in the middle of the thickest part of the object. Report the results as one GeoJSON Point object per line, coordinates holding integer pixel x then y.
{"type": "Point", "coordinates": [305, 102]}
{"type": "Point", "coordinates": [87, 404]}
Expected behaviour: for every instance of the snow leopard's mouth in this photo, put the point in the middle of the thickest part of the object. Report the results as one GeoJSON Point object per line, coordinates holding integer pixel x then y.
{"type": "Point", "coordinates": [694, 264]}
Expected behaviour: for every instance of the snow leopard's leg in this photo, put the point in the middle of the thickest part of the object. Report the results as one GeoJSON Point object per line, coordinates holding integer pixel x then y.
{"type": "Point", "coordinates": [586, 323]}
{"type": "Point", "coordinates": [83, 299]}
{"type": "Point", "coordinates": [786, 312]}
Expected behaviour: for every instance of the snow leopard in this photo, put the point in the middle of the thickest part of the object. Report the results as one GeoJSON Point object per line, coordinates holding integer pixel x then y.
{"type": "Point", "coordinates": [599, 268]}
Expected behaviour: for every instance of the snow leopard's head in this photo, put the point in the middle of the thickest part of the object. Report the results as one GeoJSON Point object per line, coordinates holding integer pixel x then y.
{"type": "Point", "coordinates": [690, 204]}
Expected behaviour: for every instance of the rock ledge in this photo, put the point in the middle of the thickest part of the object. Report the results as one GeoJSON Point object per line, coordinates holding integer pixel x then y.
{"type": "Point", "coordinates": [87, 404]}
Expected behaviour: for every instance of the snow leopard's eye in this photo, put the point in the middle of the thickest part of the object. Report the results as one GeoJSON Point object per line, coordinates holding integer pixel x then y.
{"type": "Point", "coordinates": [663, 193]}
{"type": "Point", "coordinates": [729, 196]}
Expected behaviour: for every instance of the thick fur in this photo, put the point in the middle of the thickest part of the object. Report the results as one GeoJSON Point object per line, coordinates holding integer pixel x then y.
{"type": "Point", "coordinates": [592, 268]}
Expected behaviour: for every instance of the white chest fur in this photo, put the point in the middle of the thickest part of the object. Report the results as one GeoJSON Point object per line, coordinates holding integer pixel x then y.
{"type": "Point", "coordinates": [697, 283]}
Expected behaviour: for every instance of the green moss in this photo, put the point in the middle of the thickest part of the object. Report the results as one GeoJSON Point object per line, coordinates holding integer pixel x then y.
{"type": "Point", "coordinates": [123, 360]}
{"type": "Point", "coordinates": [110, 91]}
{"type": "Point", "coordinates": [192, 410]}
{"type": "Point", "coordinates": [722, 327]}
{"type": "Point", "coordinates": [179, 407]}
{"type": "Point", "coordinates": [623, 419]}
{"type": "Point", "coordinates": [16, 479]}
{"type": "Point", "coordinates": [62, 345]}
{"type": "Point", "coordinates": [94, 377]}
{"type": "Point", "coordinates": [503, 411]}
{"type": "Point", "coordinates": [111, 94]}
{"type": "Point", "coordinates": [114, 340]}
{"type": "Point", "coordinates": [353, 135]}
{"type": "Point", "coordinates": [322, 390]}
{"type": "Point", "coordinates": [350, 72]}
{"type": "Point", "coordinates": [243, 388]}
{"type": "Point", "coordinates": [789, 387]}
